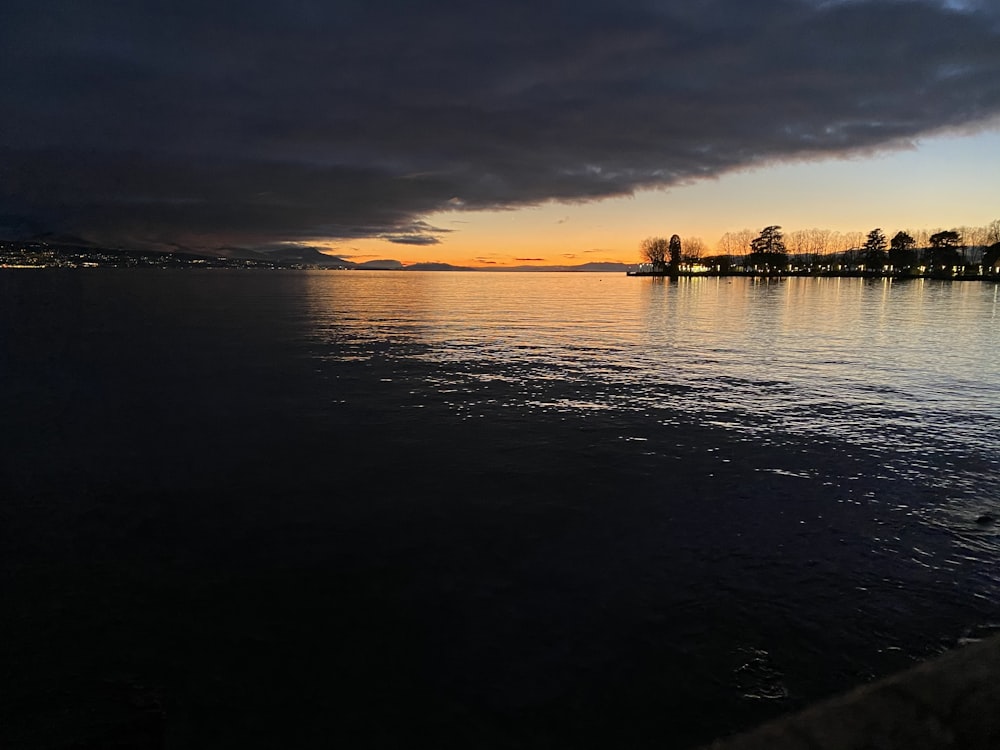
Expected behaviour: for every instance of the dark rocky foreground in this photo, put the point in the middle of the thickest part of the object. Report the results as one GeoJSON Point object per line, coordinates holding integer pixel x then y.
{"type": "Point", "coordinates": [949, 702]}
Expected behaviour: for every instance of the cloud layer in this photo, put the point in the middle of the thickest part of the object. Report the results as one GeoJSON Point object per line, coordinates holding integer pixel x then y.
{"type": "Point", "coordinates": [256, 122]}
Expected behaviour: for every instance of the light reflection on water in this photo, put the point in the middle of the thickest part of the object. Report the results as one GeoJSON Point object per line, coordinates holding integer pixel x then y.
{"type": "Point", "coordinates": [908, 365]}
{"type": "Point", "coordinates": [906, 372]}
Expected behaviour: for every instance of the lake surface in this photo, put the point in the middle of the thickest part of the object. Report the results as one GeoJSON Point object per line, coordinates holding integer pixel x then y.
{"type": "Point", "coordinates": [294, 509]}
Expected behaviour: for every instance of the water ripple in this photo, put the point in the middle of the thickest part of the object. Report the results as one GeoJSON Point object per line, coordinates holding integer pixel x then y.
{"type": "Point", "coordinates": [904, 372]}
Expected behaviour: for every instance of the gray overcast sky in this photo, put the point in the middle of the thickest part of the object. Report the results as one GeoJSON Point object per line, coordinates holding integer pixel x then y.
{"type": "Point", "coordinates": [209, 123]}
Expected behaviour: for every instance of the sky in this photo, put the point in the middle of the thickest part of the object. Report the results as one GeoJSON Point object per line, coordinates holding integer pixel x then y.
{"type": "Point", "coordinates": [492, 133]}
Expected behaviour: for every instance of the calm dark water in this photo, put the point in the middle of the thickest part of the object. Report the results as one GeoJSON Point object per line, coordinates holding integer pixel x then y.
{"type": "Point", "coordinates": [267, 509]}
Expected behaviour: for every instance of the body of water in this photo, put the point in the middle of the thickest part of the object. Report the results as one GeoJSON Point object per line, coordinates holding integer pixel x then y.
{"type": "Point", "coordinates": [297, 509]}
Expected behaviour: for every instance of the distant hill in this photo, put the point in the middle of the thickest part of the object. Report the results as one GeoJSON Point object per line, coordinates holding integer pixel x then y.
{"type": "Point", "coordinates": [380, 265]}
{"type": "Point", "coordinates": [438, 267]}
{"type": "Point", "coordinates": [309, 256]}
{"type": "Point", "coordinates": [63, 240]}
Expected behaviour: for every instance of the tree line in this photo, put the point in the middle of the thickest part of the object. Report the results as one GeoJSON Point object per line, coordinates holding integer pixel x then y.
{"type": "Point", "coordinates": [960, 250]}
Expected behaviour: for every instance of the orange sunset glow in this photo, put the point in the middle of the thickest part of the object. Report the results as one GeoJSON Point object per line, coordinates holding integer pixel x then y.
{"type": "Point", "coordinates": [939, 182]}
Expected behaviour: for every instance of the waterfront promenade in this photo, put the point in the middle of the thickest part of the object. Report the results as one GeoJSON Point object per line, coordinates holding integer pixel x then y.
{"type": "Point", "coordinates": [972, 274]}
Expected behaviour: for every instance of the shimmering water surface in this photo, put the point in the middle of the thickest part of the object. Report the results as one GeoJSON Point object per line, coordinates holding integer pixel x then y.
{"type": "Point", "coordinates": [485, 509]}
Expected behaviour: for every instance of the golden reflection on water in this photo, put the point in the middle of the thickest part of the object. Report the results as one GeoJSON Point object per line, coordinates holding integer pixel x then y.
{"type": "Point", "coordinates": [850, 357]}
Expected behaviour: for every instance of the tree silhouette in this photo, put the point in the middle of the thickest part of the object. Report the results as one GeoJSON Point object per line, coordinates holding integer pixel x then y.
{"type": "Point", "coordinates": [654, 252]}
{"type": "Point", "coordinates": [944, 248]}
{"type": "Point", "coordinates": [901, 252]}
{"type": "Point", "coordinates": [768, 249]}
{"type": "Point", "coordinates": [991, 258]}
{"type": "Point", "coordinates": [694, 249]}
{"type": "Point", "coordinates": [770, 240]}
{"type": "Point", "coordinates": [675, 252]}
{"type": "Point", "coordinates": [992, 232]}
{"type": "Point", "coordinates": [874, 249]}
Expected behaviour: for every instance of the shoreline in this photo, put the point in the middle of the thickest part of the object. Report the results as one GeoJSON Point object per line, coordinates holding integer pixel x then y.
{"type": "Point", "coordinates": [818, 275]}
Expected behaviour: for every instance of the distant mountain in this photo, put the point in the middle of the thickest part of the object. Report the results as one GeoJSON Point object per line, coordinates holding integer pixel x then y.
{"type": "Point", "coordinates": [306, 255]}
{"type": "Point", "coordinates": [66, 240]}
{"type": "Point", "coordinates": [234, 253]}
{"type": "Point", "coordinates": [380, 265]}
{"type": "Point", "coordinates": [438, 267]}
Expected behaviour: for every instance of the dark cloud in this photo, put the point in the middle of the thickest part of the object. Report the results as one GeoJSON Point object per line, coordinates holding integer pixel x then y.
{"type": "Point", "coordinates": [410, 239]}
{"type": "Point", "coordinates": [211, 123]}
{"type": "Point", "coordinates": [417, 233]}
